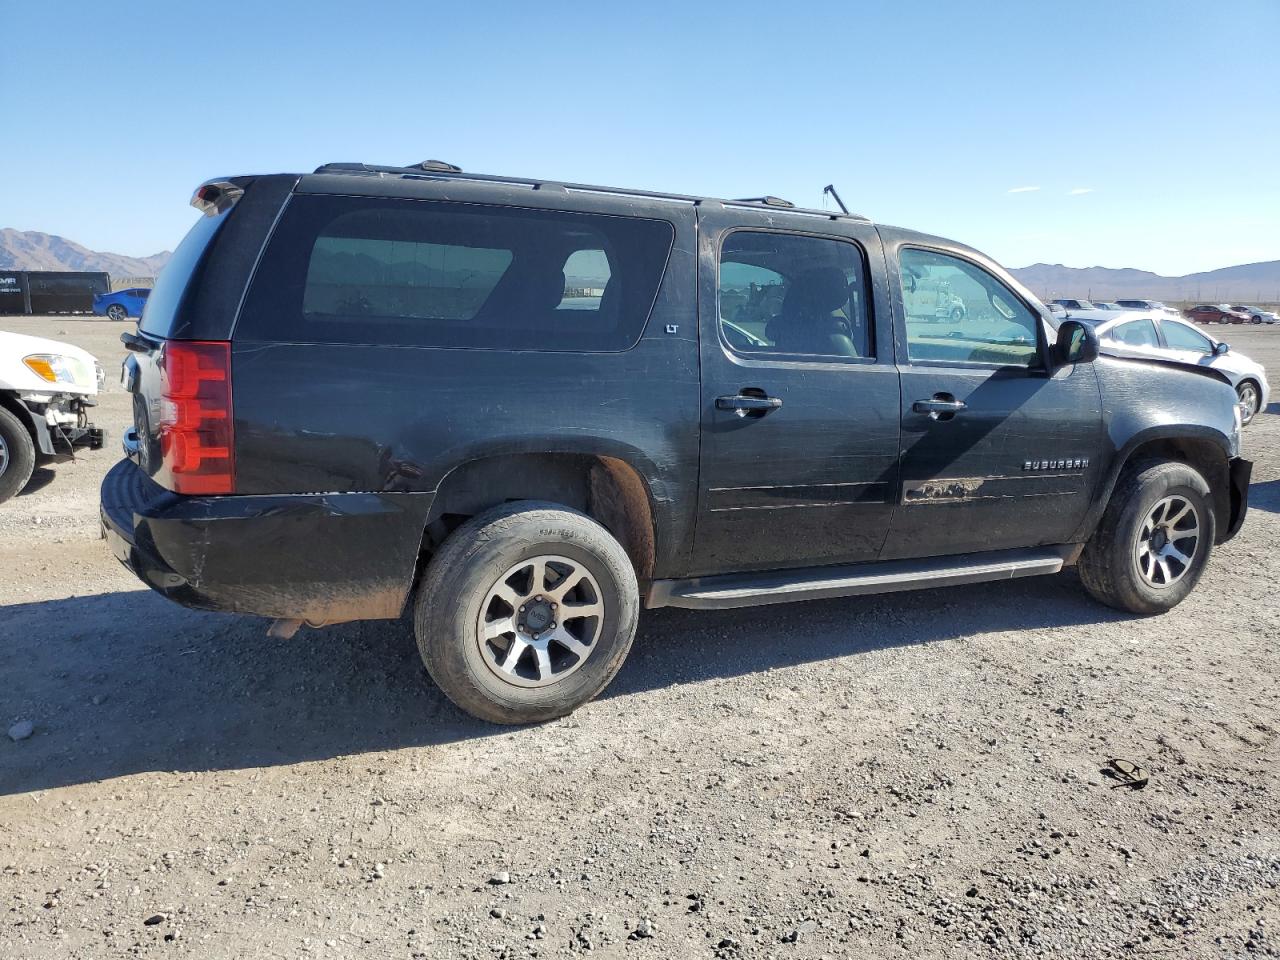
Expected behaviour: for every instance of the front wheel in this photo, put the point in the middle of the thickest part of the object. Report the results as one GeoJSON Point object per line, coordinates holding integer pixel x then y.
{"type": "Point", "coordinates": [1250, 400]}
{"type": "Point", "coordinates": [117, 312]}
{"type": "Point", "coordinates": [17, 455]}
{"type": "Point", "coordinates": [1153, 541]}
{"type": "Point", "coordinates": [526, 612]}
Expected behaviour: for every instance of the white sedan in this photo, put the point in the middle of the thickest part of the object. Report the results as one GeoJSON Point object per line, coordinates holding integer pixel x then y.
{"type": "Point", "coordinates": [1161, 337]}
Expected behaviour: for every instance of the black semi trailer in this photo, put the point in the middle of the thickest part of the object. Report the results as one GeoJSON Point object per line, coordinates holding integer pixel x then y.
{"type": "Point", "coordinates": [50, 291]}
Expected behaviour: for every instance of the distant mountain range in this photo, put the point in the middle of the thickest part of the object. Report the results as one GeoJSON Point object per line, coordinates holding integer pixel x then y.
{"type": "Point", "coordinates": [32, 250]}
{"type": "Point", "coordinates": [1246, 283]}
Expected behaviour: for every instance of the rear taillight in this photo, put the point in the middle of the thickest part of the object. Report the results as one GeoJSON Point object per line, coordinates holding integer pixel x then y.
{"type": "Point", "coordinates": [196, 432]}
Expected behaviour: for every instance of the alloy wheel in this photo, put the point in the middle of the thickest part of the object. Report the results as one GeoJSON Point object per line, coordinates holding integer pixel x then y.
{"type": "Point", "coordinates": [541, 621]}
{"type": "Point", "coordinates": [1249, 401]}
{"type": "Point", "coordinates": [1167, 541]}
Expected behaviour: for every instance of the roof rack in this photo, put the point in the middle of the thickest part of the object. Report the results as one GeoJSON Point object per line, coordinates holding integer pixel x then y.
{"type": "Point", "coordinates": [768, 201]}
{"type": "Point", "coordinates": [439, 169]}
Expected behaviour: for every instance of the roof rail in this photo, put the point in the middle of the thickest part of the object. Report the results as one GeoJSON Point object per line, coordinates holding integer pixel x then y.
{"type": "Point", "coordinates": [438, 169]}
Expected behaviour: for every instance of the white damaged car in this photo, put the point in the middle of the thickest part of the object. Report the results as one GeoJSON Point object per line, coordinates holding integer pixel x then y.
{"type": "Point", "coordinates": [47, 389]}
{"type": "Point", "coordinates": [1161, 337]}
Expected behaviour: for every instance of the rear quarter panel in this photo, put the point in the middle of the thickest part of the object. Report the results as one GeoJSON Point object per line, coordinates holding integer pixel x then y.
{"type": "Point", "coordinates": [314, 417]}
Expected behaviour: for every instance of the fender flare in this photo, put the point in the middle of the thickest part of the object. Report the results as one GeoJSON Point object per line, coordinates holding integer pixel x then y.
{"type": "Point", "coordinates": [1171, 432]}
{"type": "Point", "coordinates": [36, 425]}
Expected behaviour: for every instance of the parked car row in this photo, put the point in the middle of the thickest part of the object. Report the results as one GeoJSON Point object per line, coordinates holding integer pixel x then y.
{"type": "Point", "coordinates": [1230, 313]}
{"type": "Point", "coordinates": [1201, 313]}
{"type": "Point", "coordinates": [1107, 306]}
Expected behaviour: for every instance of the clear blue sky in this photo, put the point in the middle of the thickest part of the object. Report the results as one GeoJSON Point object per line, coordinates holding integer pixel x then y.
{"type": "Point", "coordinates": [925, 114]}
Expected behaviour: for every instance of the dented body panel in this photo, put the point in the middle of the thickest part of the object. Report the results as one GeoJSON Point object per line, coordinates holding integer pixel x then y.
{"type": "Point", "coordinates": [321, 557]}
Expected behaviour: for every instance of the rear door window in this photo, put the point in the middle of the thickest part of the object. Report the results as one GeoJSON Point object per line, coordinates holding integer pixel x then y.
{"type": "Point", "coordinates": [440, 274]}
{"type": "Point", "coordinates": [793, 296]}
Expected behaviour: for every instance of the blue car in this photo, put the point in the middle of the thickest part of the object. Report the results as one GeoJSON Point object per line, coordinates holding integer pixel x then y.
{"type": "Point", "coordinates": [122, 304]}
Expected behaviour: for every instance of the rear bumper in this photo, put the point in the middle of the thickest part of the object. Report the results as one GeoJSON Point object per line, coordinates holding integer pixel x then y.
{"type": "Point", "coordinates": [323, 557]}
{"type": "Point", "coordinates": [1240, 471]}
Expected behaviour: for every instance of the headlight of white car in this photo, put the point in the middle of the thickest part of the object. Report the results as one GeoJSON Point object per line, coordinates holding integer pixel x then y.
{"type": "Point", "coordinates": [56, 368]}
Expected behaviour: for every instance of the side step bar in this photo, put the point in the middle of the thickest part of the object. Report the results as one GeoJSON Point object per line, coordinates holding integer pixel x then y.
{"type": "Point", "coordinates": [819, 583]}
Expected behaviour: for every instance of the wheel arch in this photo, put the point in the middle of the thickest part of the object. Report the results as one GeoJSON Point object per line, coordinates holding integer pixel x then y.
{"type": "Point", "coordinates": [1203, 448]}
{"type": "Point", "coordinates": [610, 489]}
{"type": "Point", "coordinates": [19, 409]}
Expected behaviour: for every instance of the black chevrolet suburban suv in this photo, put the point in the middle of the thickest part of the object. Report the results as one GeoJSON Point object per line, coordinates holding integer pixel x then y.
{"type": "Point", "coordinates": [523, 409]}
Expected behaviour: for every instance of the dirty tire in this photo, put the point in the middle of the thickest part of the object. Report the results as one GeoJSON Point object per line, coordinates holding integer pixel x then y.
{"type": "Point", "coordinates": [1109, 566]}
{"type": "Point", "coordinates": [459, 578]}
{"type": "Point", "coordinates": [18, 456]}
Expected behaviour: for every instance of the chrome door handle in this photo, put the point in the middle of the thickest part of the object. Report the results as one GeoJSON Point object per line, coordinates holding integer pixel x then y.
{"type": "Point", "coordinates": [743, 404]}
{"type": "Point", "coordinates": [938, 406]}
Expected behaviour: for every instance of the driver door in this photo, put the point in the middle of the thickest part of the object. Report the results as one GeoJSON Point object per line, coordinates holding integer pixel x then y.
{"type": "Point", "coordinates": [998, 445]}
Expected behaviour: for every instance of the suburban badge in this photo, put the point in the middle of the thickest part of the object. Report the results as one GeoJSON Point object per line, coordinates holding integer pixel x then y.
{"type": "Point", "coordinates": [1076, 464]}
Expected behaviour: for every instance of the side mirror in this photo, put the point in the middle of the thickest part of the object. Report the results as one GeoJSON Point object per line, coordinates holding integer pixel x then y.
{"type": "Point", "coordinates": [1220, 348]}
{"type": "Point", "coordinates": [1077, 343]}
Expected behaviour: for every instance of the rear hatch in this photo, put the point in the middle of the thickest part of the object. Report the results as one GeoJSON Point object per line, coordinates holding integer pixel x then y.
{"type": "Point", "coordinates": [178, 366]}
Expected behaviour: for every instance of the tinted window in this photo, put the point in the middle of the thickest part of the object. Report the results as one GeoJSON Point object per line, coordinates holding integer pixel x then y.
{"type": "Point", "coordinates": [1133, 304]}
{"type": "Point", "coordinates": [1135, 333]}
{"type": "Point", "coordinates": [427, 273]}
{"type": "Point", "coordinates": [790, 295]}
{"type": "Point", "coordinates": [1180, 337]}
{"type": "Point", "coordinates": [166, 296]}
{"type": "Point", "coordinates": [957, 311]}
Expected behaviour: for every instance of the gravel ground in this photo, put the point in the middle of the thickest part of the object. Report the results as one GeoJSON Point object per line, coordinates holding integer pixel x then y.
{"type": "Point", "coordinates": [910, 775]}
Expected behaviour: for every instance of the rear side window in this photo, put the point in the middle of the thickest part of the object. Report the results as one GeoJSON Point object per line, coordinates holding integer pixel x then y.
{"type": "Point", "coordinates": [162, 304]}
{"type": "Point", "coordinates": [440, 274]}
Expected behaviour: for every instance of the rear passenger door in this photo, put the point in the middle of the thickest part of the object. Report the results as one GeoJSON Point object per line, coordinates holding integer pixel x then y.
{"type": "Point", "coordinates": [799, 391]}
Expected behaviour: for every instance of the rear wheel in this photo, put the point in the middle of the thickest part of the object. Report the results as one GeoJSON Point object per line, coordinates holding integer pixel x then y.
{"type": "Point", "coordinates": [1250, 400]}
{"type": "Point", "coordinates": [17, 455]}
{"type": "Point", "coordinates": [526, 612]}
{"type": "Point", "coordinates": [1153, 541]}
{"type": "Point", "coordinates": [117, 312]}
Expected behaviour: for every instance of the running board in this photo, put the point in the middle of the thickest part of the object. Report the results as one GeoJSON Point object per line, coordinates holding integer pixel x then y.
{"type": "Point", "coordinates": [726, 591]}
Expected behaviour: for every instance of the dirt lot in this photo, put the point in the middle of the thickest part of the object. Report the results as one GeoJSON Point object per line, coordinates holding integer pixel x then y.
{"type": "Point", "coordinates": [912, 775]}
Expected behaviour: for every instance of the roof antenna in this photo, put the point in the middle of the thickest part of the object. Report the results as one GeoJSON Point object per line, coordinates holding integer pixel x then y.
{"type": "Point", "coordinates": [830, 188]}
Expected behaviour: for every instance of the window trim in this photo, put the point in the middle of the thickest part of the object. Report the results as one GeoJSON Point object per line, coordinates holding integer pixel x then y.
{"type": "Point", "coordinates": [1042, 345]}
{"type": "Point", "coordinates": [800, 359]}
